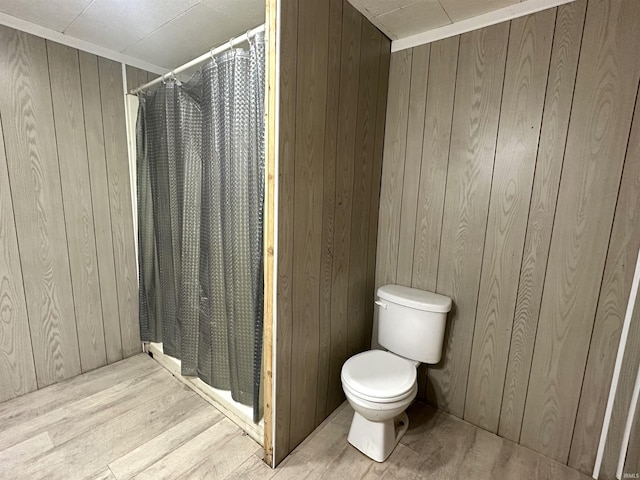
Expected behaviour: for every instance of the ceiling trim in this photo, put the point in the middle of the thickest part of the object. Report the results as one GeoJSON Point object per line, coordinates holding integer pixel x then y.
{"type": "Point", "coordinates": [510, 12]}
{"type": "Point", "coordinates": [53, 35]}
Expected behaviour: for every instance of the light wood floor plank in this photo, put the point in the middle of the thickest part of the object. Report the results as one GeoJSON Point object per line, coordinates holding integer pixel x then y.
{"type": "Point", "coordinates": [78, 417]}
{"type": "Point", "coordinates": [172, 433]}
{"type": "Point", "coordinates": [89, 453]}
{"type": "Point", "coordinates": [253, 468]}
{"type": "Point", "coordinates": [103, 475]}
{"type": "Point", "coordinates": [155, 449]}
{"type": "Point", "coordinates": [27, 407]}
{"type": "Point", "coordinates": [215, 447]}
{"type": "Point", "coordinates": [224, 459]}
{"type": "Point", "coordinates": [24, 452]}
{"type": "Point", "coordinates": [436, 446]}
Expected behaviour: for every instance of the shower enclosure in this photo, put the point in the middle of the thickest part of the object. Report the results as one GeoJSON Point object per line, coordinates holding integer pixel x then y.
{"type": "Point", "coordinates": [199, 149]}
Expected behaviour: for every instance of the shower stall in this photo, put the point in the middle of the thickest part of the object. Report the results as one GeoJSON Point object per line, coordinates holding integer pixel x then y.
{"type": "Point", "coordinates": [199, 174]}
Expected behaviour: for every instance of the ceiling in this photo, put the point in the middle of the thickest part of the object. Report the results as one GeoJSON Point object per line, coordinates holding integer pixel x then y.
{"type": "Point", "coordinates": [166, 33]}
{"type": "Point", "coordinates": [401, 18]}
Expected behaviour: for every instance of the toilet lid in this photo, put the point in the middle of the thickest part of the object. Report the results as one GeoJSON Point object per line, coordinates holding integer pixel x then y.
{"type": "Point", "coordinates": [379, 374]}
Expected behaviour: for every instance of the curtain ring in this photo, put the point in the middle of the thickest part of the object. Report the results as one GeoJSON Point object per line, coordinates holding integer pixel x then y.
{"type": "Point", "coordinates": [231, 43]}
{"type": "Point", "coordinates": [168, 76]}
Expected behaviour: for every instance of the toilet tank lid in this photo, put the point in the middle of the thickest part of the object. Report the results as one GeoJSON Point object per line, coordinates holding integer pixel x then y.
{"type": "Point", "coordinates": [414, 298]}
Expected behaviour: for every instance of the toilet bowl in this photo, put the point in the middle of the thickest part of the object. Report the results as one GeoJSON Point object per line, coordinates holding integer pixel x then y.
{"type": "Point", "coordinates": [380, 385]}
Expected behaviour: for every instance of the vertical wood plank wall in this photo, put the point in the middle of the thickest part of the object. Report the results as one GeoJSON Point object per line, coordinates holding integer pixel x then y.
{"type": "Point", "coordinates": [68, 289]}
{"type": "Point", "coordinates": [511, 182]}
{"type": "Point", "coordinates": [334, 67]}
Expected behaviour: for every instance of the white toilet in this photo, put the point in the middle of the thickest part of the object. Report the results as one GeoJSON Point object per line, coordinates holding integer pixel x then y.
{"type": "Point", "coordinates": [379, 384]}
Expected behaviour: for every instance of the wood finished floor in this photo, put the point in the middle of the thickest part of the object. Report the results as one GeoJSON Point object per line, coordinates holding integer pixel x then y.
{"type": "Point", "coordinates": [133, 419]}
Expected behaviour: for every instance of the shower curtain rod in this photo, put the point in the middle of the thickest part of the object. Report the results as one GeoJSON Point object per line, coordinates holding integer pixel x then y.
{"type": "Point", "coordinates": [202, 58]}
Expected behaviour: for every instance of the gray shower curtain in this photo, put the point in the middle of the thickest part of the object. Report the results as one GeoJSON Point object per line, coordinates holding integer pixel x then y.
{"type": "Point", "coordinates": [200, 168]}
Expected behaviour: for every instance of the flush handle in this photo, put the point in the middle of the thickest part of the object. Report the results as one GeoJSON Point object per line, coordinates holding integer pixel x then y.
{"type": "Point", "coordinates": [381, 304]}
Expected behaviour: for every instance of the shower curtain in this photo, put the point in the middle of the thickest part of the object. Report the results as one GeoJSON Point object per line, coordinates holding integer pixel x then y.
{"type": "Point", "coordinates": [200, 175]}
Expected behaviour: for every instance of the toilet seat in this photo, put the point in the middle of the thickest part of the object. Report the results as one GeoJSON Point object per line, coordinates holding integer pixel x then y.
{"type": "Point", "coordinates": [379, 376]}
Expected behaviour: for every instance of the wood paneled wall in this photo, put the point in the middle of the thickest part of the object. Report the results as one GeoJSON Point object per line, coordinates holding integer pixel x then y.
{"type": "Point", "coordinates": [511, 183]}
{"type": "Point", "coordinates": [333, 85]}
{"type": "Point", "coordinates": [68, 288]}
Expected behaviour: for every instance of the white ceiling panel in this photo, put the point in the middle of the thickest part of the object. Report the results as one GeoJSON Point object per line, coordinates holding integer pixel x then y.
{"type": "Point", "coordinates": [426, 20]}
{"type": "Point", "coordinates": [54, 14]}
{"type": "Point", "coordinates": [246, 11]}
{"type": "Point", "coordinates": [375, 8]}
{"type": "Point", "coordinates": [463, 9]}
{"type": "Point", "coordinates": [413, 18]}
{"type": "Point", "coordinates": [192, 34]}
{"type": "Point", "coordinates": [129, 22]}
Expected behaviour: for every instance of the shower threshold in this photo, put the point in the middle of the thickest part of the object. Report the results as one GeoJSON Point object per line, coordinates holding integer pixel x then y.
{"type": "Point", "coordinates": [239, 414]}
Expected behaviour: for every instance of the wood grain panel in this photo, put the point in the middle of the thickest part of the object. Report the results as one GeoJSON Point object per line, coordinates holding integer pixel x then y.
{"type": "Point", "coordinates": [334, 66]}
{"type": "Point", "coordinates": [443, 64]}
{"type": "Point", "coordinates": [359, 297]}
{"type": "Point", "coordinates": [115, 144]}
{"type": "Point", "coordinates": [135, 77]}
{"type": "Point", "coordinates": [393, 167]}
{"type": "Point", "coordinates": [345, 150]}
{"type": "Point", "coordinates": [313, 20]}
{"type": "Point", "coordinates": [612, 304]}
{"type": "Point", "coordinates": [431, 173]}
{"type": "Point", "coordinates": [555, 123]}
{"type": "Point", "coordinates": [64, 70]}
{"type": "Point", "coordinates": [381, 111]}
{"type": "Point", "coordinates": [17, 371]}
{"type": "Point", "coordinates": [56, 193]}
{"type": "Point", "coordinates": [328, 206]}
{"type": "Point", "coordinates": [284, 288]}
{"type": "Point", "coordinates": [413, 152]}
{"type": "Point", "coordinates": [606, 86]}
{"type": "Point", "coordinates": [90, 85]}
{"type": "Point", "coordinates": [503, 285]}
{"type": "Point", "coordinates": [392, 172]}
{"type": "Point", "coordinates": [25, 107]}
{"type": "Point", "coordinates": [481, 66]}
{"type": "Point", "coordinates": [523, 93]}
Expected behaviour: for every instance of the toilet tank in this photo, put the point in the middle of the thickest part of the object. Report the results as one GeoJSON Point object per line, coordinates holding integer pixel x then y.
{"type": "Point", "coordinates": [411, 322]}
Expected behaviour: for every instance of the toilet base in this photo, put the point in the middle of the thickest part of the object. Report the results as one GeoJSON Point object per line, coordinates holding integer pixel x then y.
{"type": "Point", "coordinates": [377, 439]}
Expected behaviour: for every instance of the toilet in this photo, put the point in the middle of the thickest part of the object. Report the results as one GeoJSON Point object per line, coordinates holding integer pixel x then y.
{"type": "Point", "coordinates": [381, 384]}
